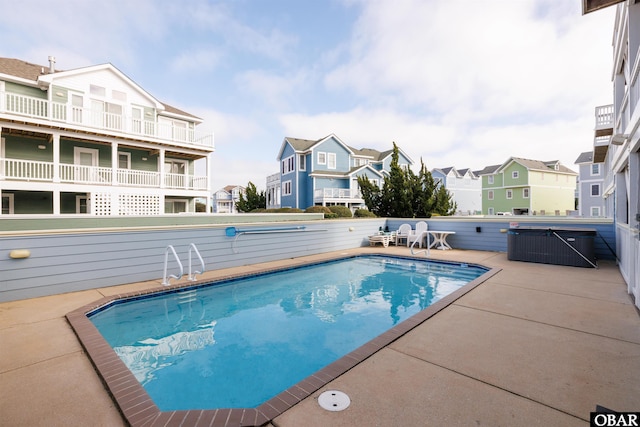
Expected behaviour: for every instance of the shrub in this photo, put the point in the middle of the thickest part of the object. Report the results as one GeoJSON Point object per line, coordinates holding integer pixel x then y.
{"type": "Point", "coordinates": [278, 210]}
{"type": "Point", "coordinates": [341, 211]}
{"type": "Point", "coordinates": [318, 209]}
{"type": "Point", "coordinates": [364, 213]}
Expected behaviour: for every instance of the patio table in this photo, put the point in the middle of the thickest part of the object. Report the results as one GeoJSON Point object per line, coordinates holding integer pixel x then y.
{"type": "Point", "coordinates": [440, 239]}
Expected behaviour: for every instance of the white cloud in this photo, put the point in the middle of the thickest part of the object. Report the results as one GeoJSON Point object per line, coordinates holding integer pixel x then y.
{"type": "Point", "coordinates": [460, 90]}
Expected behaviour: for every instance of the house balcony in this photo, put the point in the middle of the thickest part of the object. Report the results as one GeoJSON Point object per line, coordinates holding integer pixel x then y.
{"type": "Point", "coordinates": [337, 195]}
{"type": "Point", "coordinates": [44, 112]}
{"type": "Point", "coordinates": [33, 171]}
{"type": "Point", "coordinates": [604, 116]}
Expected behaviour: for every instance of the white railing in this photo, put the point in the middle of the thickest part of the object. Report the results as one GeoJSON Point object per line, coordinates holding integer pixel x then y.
{"type": "Point", "coordinates": [26, 170]}
{"type": "Point", "coordinates": [43, 109]}
{"type": "Point", "coordinates": [29, 170]}
{"type": "Point", "coordinates": [336, 193]}
{"type": "Point", "coordinates": [136, 178]}
{"type": "Point", "coordinates": [85, 174]}
{"type": "Point", "coordinates": [604, 116]}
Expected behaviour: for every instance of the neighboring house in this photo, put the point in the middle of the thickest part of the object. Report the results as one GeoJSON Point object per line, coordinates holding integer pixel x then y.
{"type": "Point", "coordinates": [528, 187]}
{"type": "Point", "coordinates": [464, 186]}
{"type": "Point", "coordinates": [225, 199]}
{"type": "Point", "coordinates": [91, 141]}
{"type": "Point", "coordinates": [590, 185]}
{"type": "Point", "coordinates": [617, 139]}
{"type": "Point", "coordinates": [273, 191]}
{"type": "Point", "coordinates": [325, 172]}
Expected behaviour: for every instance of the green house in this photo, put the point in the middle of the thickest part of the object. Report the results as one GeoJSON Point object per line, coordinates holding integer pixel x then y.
{"type": "Point", "coordinates": [528, 187]}
{"type": "Point", "coordinates": [91, 141]}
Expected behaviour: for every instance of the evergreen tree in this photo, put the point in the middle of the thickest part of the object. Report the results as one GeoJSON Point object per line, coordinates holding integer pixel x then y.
{"type": "Point", "coordinates": [444, 204]}
{"type": "Point", "coordinates": [405, 194]}
{"type": "Point", "coordinates": [253, 201]}
{"type": "Point", "coordinates": [397, 191]}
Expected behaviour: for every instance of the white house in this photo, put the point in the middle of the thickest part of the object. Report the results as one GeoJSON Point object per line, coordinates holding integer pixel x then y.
{"type": "Point", "coordinates": [225, 199]}
{"type": "Point", "coordinates": [590, 185]}
{"type": "Point", "coordinates": [464, 186]}
{"type": "Point", "coordinates": [91, 141]}
{"type": "Point", "coordinates": [617, 138]}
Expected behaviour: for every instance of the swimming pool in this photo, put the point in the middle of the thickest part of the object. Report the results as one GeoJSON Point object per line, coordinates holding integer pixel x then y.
{"type": "Point", "coordinates": [242, 343]}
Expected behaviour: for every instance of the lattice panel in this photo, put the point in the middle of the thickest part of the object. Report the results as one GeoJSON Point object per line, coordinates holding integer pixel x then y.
{"type": "Point", "coordinates": [101, 203]}
{"type": "Point", "coordinates": [138, 204]}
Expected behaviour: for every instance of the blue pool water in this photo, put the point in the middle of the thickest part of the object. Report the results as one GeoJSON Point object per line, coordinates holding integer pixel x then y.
{"type": "Point", "coordinates": [238, 343]}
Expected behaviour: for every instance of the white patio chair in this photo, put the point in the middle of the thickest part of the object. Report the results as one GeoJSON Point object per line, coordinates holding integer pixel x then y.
{"type": "Point", "coordinates": [418, 234]}
{"type": "Point", "coordinates": [403, 234]}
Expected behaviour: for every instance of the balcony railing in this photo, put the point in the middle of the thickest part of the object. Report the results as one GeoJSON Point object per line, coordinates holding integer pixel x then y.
{"type": "Point", "coordinates": [335, 193]}
{"type": "Point", "coordinates": [28, 170]}
{"type": "Point", "coordinates": [37, 108]}
{"type": "Point", "coordinates": [604, 117]}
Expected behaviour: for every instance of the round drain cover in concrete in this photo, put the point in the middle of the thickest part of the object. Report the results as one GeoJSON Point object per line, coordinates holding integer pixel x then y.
{"type": "Point", "coordinates": [334, 400]}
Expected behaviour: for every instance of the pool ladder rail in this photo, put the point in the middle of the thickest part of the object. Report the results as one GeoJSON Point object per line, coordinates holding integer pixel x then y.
{"type": "Point", "coordinates": [192, 274]}
{"type": "Point", "coordinates": [427, 250]}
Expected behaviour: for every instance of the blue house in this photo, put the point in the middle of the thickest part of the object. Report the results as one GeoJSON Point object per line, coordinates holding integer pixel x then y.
{"type": "Point", "coordinates": [325, 172]}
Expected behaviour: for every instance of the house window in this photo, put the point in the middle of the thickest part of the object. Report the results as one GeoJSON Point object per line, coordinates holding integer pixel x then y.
{"type": "Point", "coordinates": [175, 173]}
{"type": "Point", "coordinates": [286, 188]}
{"type": "Point", "coordinates": [595, 210]}
{"type": "Point", "coordinates": [331, 160]}
{"type": "Point", "coordinates": [124, 160]}
{"type": "Point", "coordinates": [287, 165]}
{"type": "Point", "coordinates": [175, 206]}
{"type": "Point", "coordinates": [490, 179]}
{"type": "Point", "coordinates": [525, 193]}
{"type": "Point", "coordinates": [175, 166]}
{"type": "Point", "coordinates": [322, 158]}
{"type": "Point", "coordinates": [97, 90]}
{"type": "Point", "coordinates": [490, 211]}
{"type": "Point", "coordinates": [509, 194]}
{"type": "Point", "coordinates": [118, 95]}
{"type": "Point", "coordinates": [595, 169]}
{"type": "Point", "coordinates": [490, 195]}
{"type": "Point", "coordinates": [515, 174]}
{"type": "Point", "coordinates": [595, 190]}
{"type": "Point", "coordinates": [302, 164]}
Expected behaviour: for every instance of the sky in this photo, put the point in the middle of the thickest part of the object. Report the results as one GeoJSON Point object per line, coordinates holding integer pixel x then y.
{"type": "Point", "coordinates": [452, 82]}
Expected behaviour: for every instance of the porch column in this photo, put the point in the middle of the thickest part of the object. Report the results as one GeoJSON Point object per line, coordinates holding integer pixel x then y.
{"type": "Point", "coordinates": [161, 169]}
{"type": "Point", "coordinates": [56, 202]}
{"type": "Point", "coordinates": [55, 139]}
{"type": "Point", "coordinates": [208, 172]}
{"type": "Point", "coordinates": [114, 163]}
{"type": "Point", "coordinates": [207, 168]}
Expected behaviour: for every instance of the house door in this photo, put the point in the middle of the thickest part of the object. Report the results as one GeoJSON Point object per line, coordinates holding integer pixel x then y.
{"type": "Point", "coordinates": [82, 204]}
{"type": "Point", "coordinates": [86, 161]}
{"type": "Point", "coordinates": [7, 204]}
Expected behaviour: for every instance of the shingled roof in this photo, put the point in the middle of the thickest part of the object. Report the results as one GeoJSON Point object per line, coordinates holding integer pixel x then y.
{"type": "Point", "coordinates": [28, 71]}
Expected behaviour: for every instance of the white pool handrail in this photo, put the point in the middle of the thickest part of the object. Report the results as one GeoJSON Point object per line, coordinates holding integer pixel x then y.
{"type": "Point", "coordinates": [192, 275]}
{"type": "Point", "coordinates": [427, 250]}
{"type": "Point", "coordinates": [165, 278]}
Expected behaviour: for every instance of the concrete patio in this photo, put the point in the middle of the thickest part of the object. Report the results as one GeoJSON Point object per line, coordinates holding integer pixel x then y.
{"type": "Point", "coordinates": [536, 344]}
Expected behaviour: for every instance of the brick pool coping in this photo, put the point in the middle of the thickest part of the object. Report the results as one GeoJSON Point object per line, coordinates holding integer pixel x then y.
{"type": "Point", "coordinates": [138, 408]}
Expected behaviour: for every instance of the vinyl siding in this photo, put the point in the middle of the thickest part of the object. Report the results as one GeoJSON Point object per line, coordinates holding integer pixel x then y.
{"type": "Point", "coordinates": [72, 261]}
